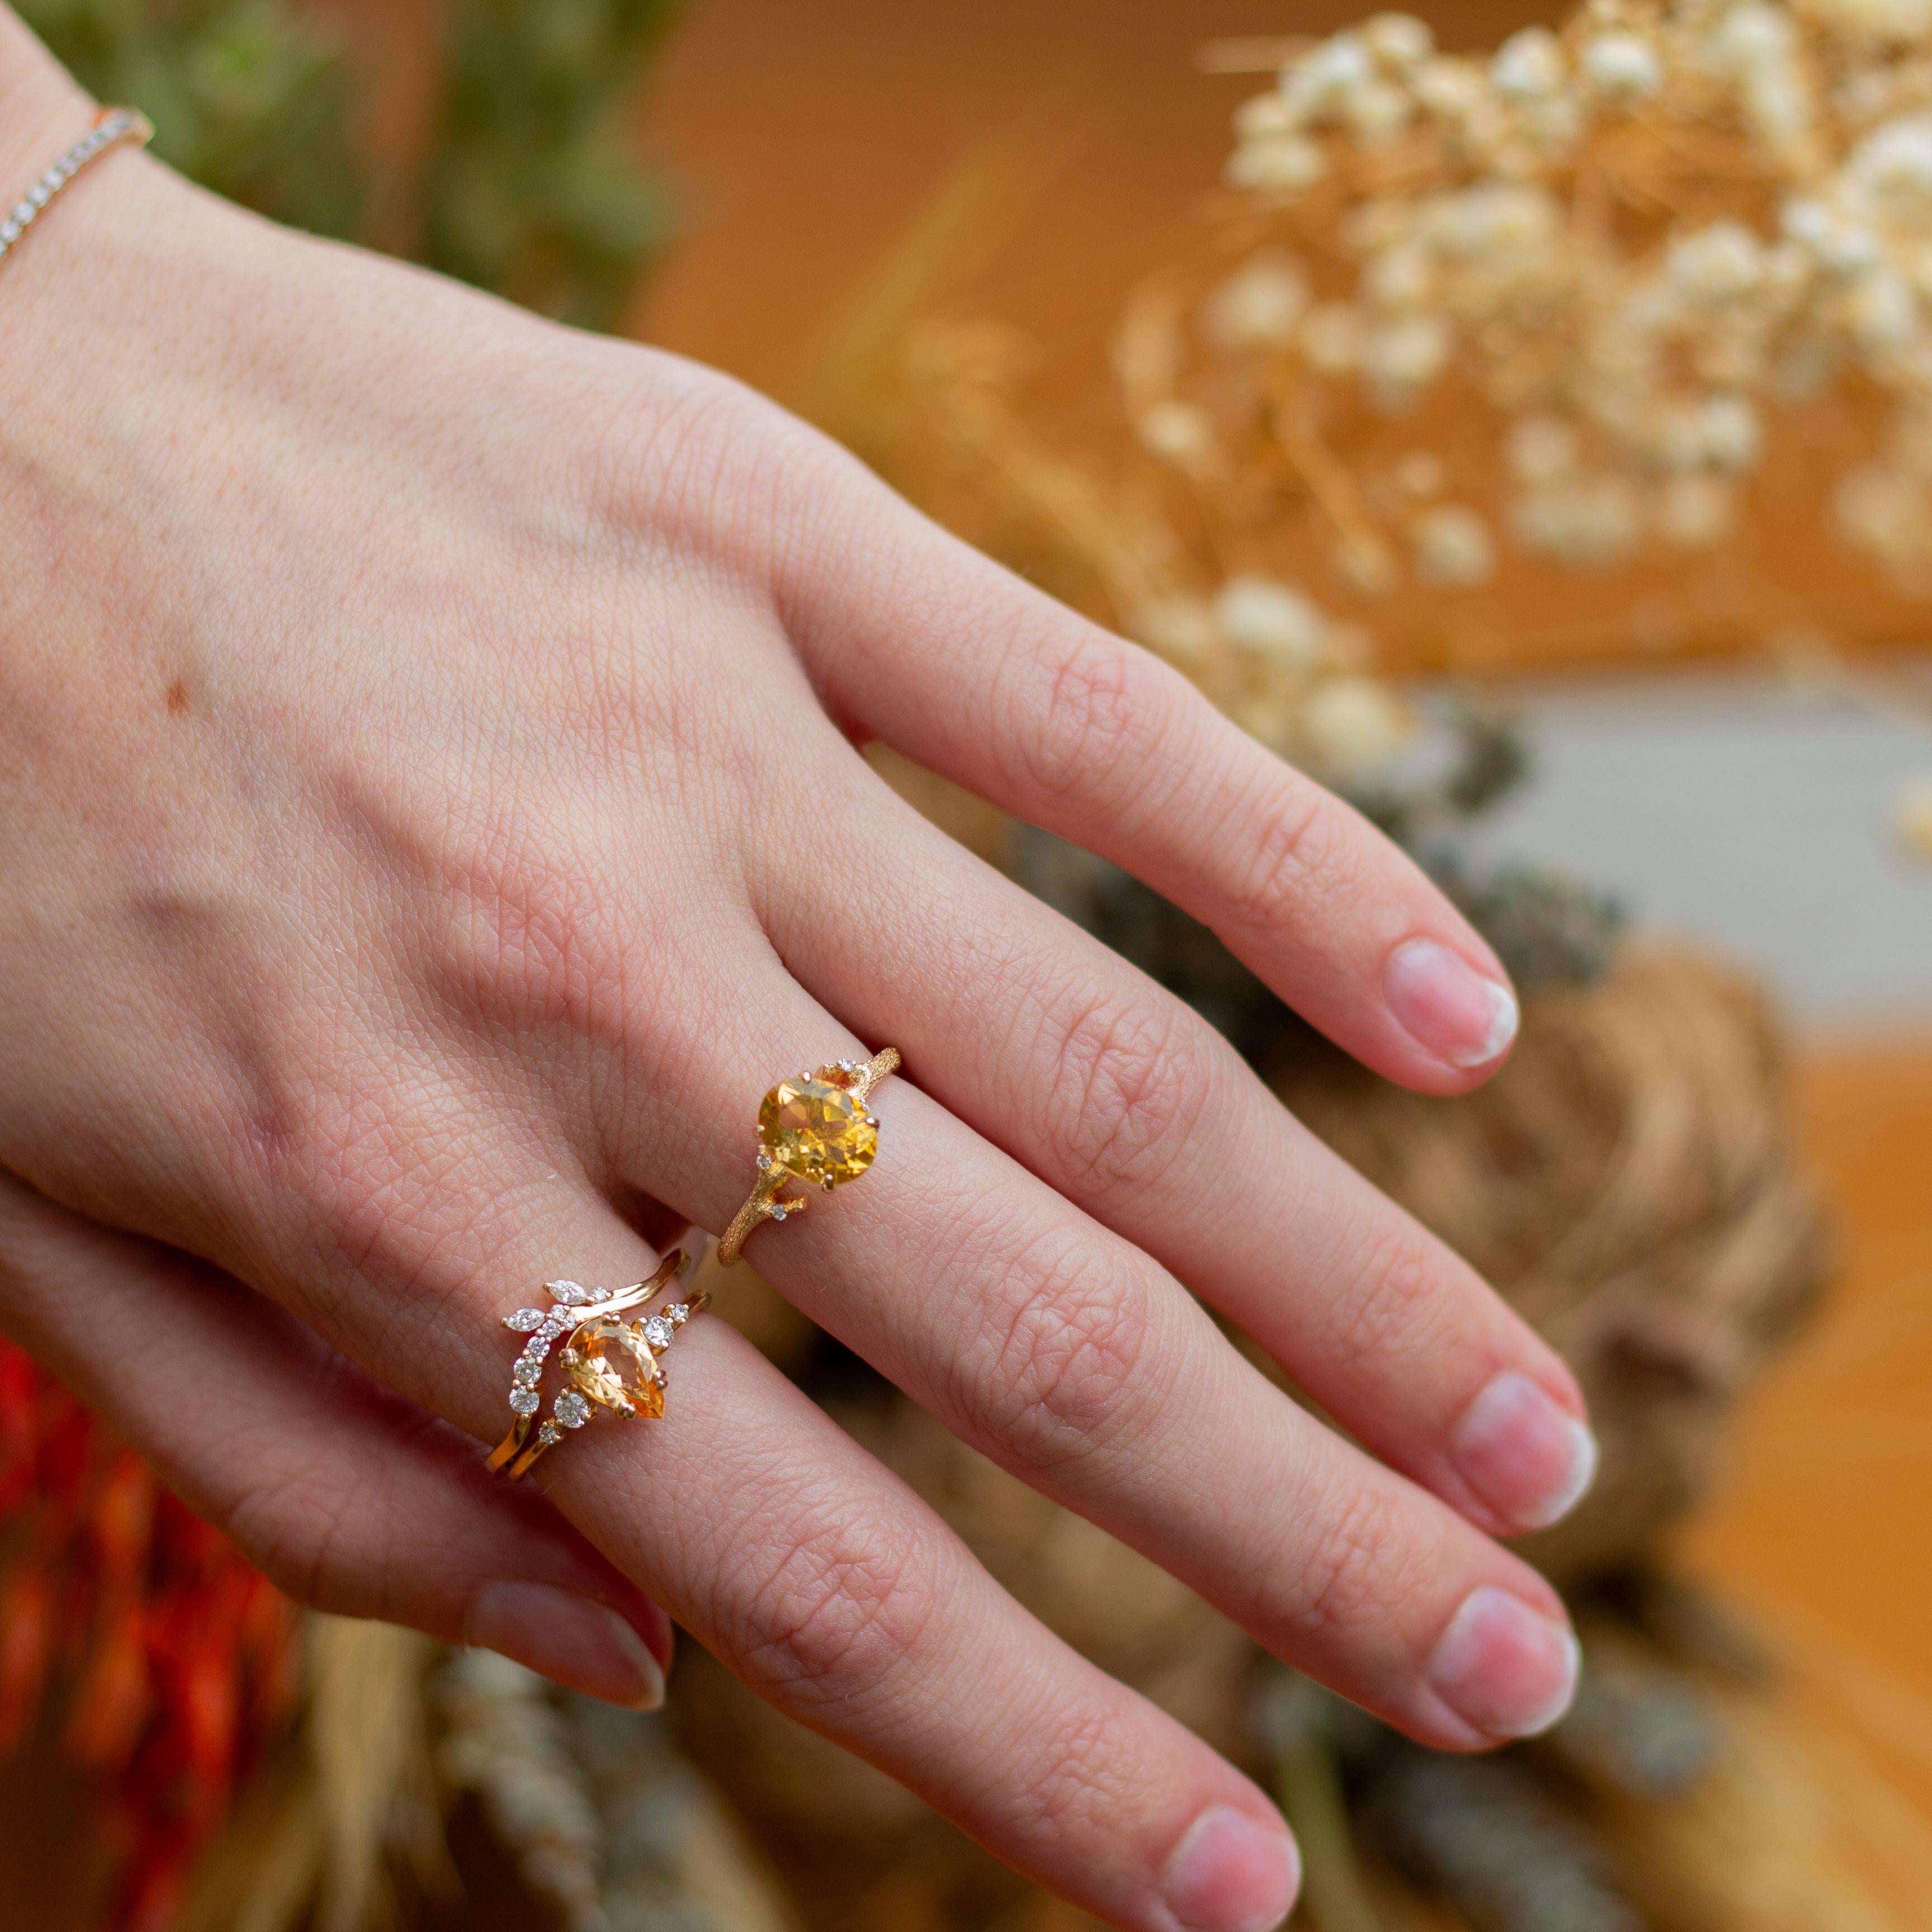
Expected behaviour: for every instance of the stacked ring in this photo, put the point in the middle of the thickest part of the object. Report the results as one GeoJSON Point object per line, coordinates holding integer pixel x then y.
{"type": "Point", "coordinates": [813, 1128]}
{"type": "Point", "coordinates": [609, 1365]}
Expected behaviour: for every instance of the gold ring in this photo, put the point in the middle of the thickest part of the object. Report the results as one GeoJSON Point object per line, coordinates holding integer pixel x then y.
{"type": "Point", "coordinates": [608, 1363]}
{"type": "Point", "coordinates": [813, 1128]}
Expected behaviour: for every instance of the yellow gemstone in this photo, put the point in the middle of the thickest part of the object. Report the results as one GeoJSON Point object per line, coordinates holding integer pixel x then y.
{"type": "Point", "coordinates": [626, 1383]}
{"type": "Point", "coordinates": [817, 1131]}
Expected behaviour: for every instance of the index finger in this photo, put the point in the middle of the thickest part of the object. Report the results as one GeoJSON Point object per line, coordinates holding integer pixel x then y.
{"type": "Point", "coordinates": [919, 640]}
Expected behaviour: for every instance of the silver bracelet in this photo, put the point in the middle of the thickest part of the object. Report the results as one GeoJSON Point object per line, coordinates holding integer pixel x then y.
{"type": "Point", "coordinates": [113, 126]}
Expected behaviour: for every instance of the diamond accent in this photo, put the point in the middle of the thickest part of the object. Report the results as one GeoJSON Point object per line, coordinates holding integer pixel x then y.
{"type": "Point", "coordinates": [572, 1292]}
{"type": "Point", "coordinates": [549, 1435]}
{"type": "Point", "coordinates": [777, 1213]}
{"type": "Point", "coordinates": [526, 1372]}
{"type": "Point", "coordinates": [525, 1401]}
{"type": "Point", "coordinates": [679, 1312]}
{"type": "Point", "coordinates": [524, 1320]}
{"type": "Point", "coordinates": [657, 1331]}
{"type": "Point", "coordinates": [571, 1410]}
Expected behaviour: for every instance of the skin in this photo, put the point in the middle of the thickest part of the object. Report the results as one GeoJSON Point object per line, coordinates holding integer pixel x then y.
{"type": "Point", "coordinates": [428, 753]}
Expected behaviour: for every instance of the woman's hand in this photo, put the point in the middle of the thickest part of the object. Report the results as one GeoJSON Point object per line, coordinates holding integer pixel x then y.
{"type": "Point", "coordinates": [433, 820]}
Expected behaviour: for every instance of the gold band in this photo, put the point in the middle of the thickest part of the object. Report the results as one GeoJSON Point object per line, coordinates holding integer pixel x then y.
{"type": "Point", "coordinates": [633, 1385]}
{"type": "Point", "coordinates": [813, 1128]}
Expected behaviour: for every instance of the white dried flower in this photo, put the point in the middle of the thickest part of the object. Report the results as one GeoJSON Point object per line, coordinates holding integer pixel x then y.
{"type": "Point", "coordinates": [1716, 265]}
{"type": "Point", "coordinates": [1273, 620]}
{"type": "Point", "coordinates": [1399, 41]}
{"type": "Point", "coordinates": [1836, 243]}
{"type": "Point", "coordinates": [1881, 311]}
{"type": "Point", "coordinates": [1258, 306]}
{"type": "Point", "coordinates": [1540, 449]}
{"type": "Point", "coordinates": [1528, 65]}
{"type": "Point", "coordinates": [1492, 221]}
{"type": "Point", "coordinates": [1277, 164]}
{"type": "Point", "coordinates": [1401, 276]}
{"type": "Point", "coordinates": [1696, 511]}
{"type": "Point", "coordinates": [1454, 546]}
{"type": "Point", "coordinates": [1264, 114]}
{"type": "Point", "coordinates": [1404, 355]}
{"type": "Point", "coordinates": [1321, 81]}
{"type": "Point", "coordinates": [1175, 431]}
{"type": "Point", "coordinates": [1353, 725]}
{"type": "Point", "coordinates": [1378, 112]}
{"type": "Point", "coordinates": [1450, 86]}
{"type": "Point", "coordinates": [1889, 174]}
{"type": "Point", "coordinates": [1622, 66]}
{"type": "Point", "coordinates": [1584, 521]}
{"type": "Point", "coordinates": [1749, 36]}
{"type": "Point", "coordinates": [1777, 103]}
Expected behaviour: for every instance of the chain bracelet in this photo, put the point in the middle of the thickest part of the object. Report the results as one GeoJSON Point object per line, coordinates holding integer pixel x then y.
{"type": "Point", "coordinates": [113, 126]}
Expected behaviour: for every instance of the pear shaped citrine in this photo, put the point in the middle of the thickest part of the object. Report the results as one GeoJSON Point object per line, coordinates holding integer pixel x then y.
{"type": "Point", "coordinates": [817, 1130]}
{"type": "Point", "coordinates": [609, 1362]}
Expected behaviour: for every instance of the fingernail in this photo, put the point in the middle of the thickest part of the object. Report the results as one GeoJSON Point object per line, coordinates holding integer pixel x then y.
{"type": "Point", "coordinates": [1231, 1873]}
{"type": "Point", "coordinates": [1527, 1457]}
{"type": "Point", "coordinates": [1507, 1669]}
{"type": "Point", "coordinates": [1447, 1006]}
{"type": "Point", "coordinates": [572, 1639]}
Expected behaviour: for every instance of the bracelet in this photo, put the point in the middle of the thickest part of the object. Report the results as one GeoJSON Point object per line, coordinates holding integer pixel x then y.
{"type": "Point", "coordinates": [112, 126]}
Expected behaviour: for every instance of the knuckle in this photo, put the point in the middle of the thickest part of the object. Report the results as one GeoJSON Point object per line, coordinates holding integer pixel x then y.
{"type": "Point", "coordinates": [1063, 1377]}
{"type": "Point", "coordinates": [1294, 861]}
{"type": "Point", "coordinates": [1127, 1087]}
{"type": "Point", "coordinates": [1391, 1312]}
{"type": "Point", "coordinates": [840, 1610]}
{"type": "Point", "coordinates": [293, 1526]}
{"type": "Point", "coordinates": [1104, 706]}
{"type": "Point", "coordinates": [1344, 1580]}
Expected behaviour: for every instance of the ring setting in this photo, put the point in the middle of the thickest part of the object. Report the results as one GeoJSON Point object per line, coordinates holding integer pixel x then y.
{"type": "Point", "coordinates": [610, 1365]}
{"type": "Point", "coordinates": [812, 1128]}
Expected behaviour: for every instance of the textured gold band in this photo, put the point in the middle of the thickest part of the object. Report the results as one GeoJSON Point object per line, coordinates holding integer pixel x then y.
{"type": "Point", "coordinates": [813, 1128]}
{"type": "Point", "coordinates": [609, 1365]}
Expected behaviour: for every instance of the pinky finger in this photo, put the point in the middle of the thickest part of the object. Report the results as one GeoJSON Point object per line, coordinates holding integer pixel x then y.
{"type": "Point", "coordinates": [349, 1498]}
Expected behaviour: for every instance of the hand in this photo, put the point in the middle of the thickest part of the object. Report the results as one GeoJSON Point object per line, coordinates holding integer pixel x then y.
{"type": "Point", "coordinates": [426, 753]}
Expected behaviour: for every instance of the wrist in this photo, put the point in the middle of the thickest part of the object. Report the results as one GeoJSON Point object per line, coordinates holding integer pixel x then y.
{"type": "Point", "coordinates": [42, 112]}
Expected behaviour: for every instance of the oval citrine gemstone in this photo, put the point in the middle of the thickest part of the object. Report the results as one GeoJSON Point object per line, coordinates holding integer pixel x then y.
{"type": "Point", "coordinates": [817, 1131]}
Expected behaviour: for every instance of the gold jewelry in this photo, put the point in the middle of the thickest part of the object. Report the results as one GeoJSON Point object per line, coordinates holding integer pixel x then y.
{"type": "Point", "coordinates": [630, 1385]}
{"type": "Point", "coordinates": [813, 1128]}
{"type": "Point", "coordinates": [112, 126]}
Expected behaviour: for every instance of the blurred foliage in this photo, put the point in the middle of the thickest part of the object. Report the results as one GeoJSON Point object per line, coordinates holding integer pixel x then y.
{"type": "Point", "coordinates": [246, 98]}
{"type": "Point", "coordinates": [528, 189]}
{"type": "Point", "coordinates": [532, 192]}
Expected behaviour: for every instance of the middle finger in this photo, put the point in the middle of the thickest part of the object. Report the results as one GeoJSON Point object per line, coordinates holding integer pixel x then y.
{"type": "Point", "coordinates": [1071, 1357]}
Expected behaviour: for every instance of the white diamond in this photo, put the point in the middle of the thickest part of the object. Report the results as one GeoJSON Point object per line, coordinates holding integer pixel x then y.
{"type": "Point", "coordinates": [525, 1401]}
{"type": "Point", "coordinates": [549, 1434]}
{"type": "Point", "coordinates": [571, 1292]}
{"type": "Point", "coordinates": [657, 1332]}
{"type": "Point", "coordinates": [524, 1321]}
{"type": "Point", "coordinates": [679, 1312]}
{"type": "Point", "coordinates": [526, 1372]}
{"type": "Point", "coordinates": [571, 1410]}
{"type": "Point", "coordinates": [764, 1163]}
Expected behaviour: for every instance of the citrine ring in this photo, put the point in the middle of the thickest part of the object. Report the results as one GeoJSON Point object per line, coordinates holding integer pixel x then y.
{"type": "Point", "coordinates": [609, 1366]}
{"type": "Point", "coordinates": [813, 1128]}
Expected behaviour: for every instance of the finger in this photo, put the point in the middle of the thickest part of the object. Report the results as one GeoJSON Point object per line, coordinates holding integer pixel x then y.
{"type": "Point", "coordinates": [916, 639]}
{"type": "Point", "coordinates": [349, 1500]}
{"type": "Point", "coordinates": [1069, 1356]}
{"type": "Point", "coordinates": [1124, 1100]}
{"type": "Point", "coordinates": [813, 1574]}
